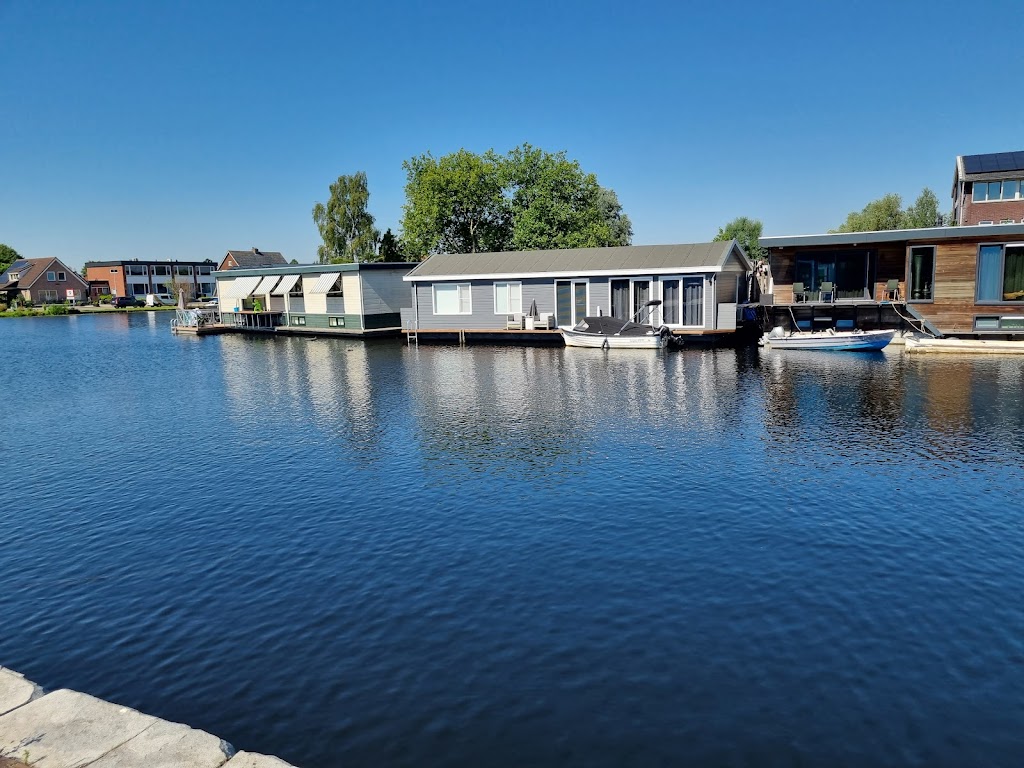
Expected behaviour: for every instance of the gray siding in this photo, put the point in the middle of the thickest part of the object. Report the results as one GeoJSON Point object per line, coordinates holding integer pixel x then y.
{"type": "Point", "coordinates": [384, 291]}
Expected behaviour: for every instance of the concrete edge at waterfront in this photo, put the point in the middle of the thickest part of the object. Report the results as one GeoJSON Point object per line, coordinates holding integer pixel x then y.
{"type": "Point", "coordinates": [68, 729]}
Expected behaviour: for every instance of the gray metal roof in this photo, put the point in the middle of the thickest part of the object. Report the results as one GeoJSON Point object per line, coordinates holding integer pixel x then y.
{"type": "Point", "coordinates": [305, 269]}
{"type": "Point", "coordinates": [254, 258]}
{"type": "Point", "coordinates": [896, 235]}
{"type": "Point", "coordinates": [617, 259]}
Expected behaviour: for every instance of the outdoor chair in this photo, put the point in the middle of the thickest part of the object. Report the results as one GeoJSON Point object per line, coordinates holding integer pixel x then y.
{"type": "Point", "coordinates": [514, 323]}
{"type": "Point", "coordinates": [892, 290]}
{"type": "Point", "coordinates": [545, 321]}
{"type": "Point", "coordinates": [799, 293]}
{"type": "Point", "coordinates": [829, 289]}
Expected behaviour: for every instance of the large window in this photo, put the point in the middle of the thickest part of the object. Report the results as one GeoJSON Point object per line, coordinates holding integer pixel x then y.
{"type": "Point", "coordinates": [571, 301]}
{"type": "Point", "coordinates": [693, 301]}
{"type": "Point", "coordinates": [508, 298]}
{"type": "Point", "coordinates": [182, 271]}
{"type": "Point", "coordinates": [296, 290]}
{"type": "Point", "coordinates": [51, 277]}
{"type": "Point", "coordinates": [162, 270]}
{"type": "Point", "coordinates": [337, 290]}
{"type": "Point", "coordinates": [136, 269]}
{"type": "Point", "coordinates": [620, 299]}
{"type": "Point", "coordinates": [921, 273]}
{"type": "Point", "coordinates": [1011, 189]}
{"type": "Point", "coordinates": [48, 297]}
{"type": "Point", "coordinates": [1001, 273]}
{"type": "Point", "coordinates": [453, 299]}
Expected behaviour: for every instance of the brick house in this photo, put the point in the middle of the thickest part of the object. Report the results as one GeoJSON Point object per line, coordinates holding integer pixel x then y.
{"type": "Point", "coordinates": [251, 259]}
{"type": "Point", "coordinates": [42, 281]}
{"type": "Point", "coordinates": [989, 189]}
{"type": "Point", "coordinates": [138, 277]}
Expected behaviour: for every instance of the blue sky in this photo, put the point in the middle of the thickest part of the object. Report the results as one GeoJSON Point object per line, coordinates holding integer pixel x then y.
{"type": "Point", "coordinates": [183, 129]}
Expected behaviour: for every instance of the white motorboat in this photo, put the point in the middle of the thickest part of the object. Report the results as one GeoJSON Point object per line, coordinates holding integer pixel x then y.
{"type": "Point", "coordinates": [605, 332]}
{"type": "Point", "coordinates": [863, 341]}
{"type": "Point", "coordinates": [965, 346]}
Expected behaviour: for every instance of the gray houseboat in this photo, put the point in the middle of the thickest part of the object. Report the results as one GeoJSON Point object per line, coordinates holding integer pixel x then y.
{"type": "Point", "coordinates": [699, 285]}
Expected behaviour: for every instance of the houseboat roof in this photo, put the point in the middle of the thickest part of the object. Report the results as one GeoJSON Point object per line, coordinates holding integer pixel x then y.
{"type": "Point", "coordinates": [894, 235]}
{"type": "Point", "coordinates": [305, 269]}
{"type": "Point", "coordinates": [580, 262]}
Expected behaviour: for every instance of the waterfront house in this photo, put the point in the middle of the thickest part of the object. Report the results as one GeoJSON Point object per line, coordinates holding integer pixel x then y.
{"type": "Point", "coordinates": [958, 281]}
{"type": "Point", "coordinates": [139, 277]}
{"type": "Point", "coordinates": [989, 189]}
{"type": "Point", "coordinates": [251, 259]}
{"type": "Point", "coordinates": [322, 298]}
{"type": "Point", "coordinates": [42, 281]}
{"type": "Point", "coordinates": [699, 285]}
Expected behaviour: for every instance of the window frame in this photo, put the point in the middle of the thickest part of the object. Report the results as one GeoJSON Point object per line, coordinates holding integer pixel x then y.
{"type": "Point", "coordinates": [51, 276]}
{"type": "Point", "coordinates": [298, 320]}
{"type": "Point", "coordinates": [296, 291]}
{"type": "Point", "coordinates": [910, 254]}
{"type": "Point", "coordinates": [975, 185]}
{"type": "Point", "coordinates": [62, 277]}
{"type": "Point", "coordinates": [458, 286]}
{"type": "Point", "coordinates": [157, 270]}
{"type": "Point", "coordinates": [335, 322]}
{"type": "Point", "coordinates": [335, 292]}
{"type": "Point", "coordinates": [508, 297]}
{"type": "Point", "coordinates": [1002, 276]}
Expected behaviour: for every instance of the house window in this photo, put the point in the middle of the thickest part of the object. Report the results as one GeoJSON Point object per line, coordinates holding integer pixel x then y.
{"type": "Point", "coordinates": [298, 319]}
{"type": "Point", "coordinates": [571, 301]}
{"type": "Point", "coordinates": [921, 274]}
{"type": "Point", "coordinates": [1006, 221]}
{"type": "Point", "coordinates": [1010, 189]}
{"type": "Point", "coordinates": [693, 301]}
{"type": "Point", "coordinates": [51, 277]}
{"type": "Point", "coordinates": [204, 270]}
{"type": "Point", "coordinates": [48, 297]}
{"type": "Point", "coordinates": [296, 290]}
{"type": "Point", "coordinates": [987, 221]}
{"type": "Point", "coordinates": [61, 277]}
{"type": "Point", "coordinates": [336, 289]}
{"type": "Point", "coordinates": [453, 299]}
{"type": "Point", "coordinates": [135, 269]}
{"type": "Point", "coordinates": [161, 270]}
{"type": "Point", "coordinates": [1001, 273]}
{"type": "Point", "coordinates": [113, 270]}
{"type": "Point", "coordinates": [996, 323]}
{"type": "Point", "coordinates": [508, 298]}
{"type": "Point", "coordinates": [336, 322]}
{"type": "Point", "coordinates": [183, 271]}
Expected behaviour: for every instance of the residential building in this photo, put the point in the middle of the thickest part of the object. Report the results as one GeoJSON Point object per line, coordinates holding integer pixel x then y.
{"type": "Point", "coordinates": [322, 298]}
{"type": "Point", "coordinates": [138, 277]}
{"type": "Point", "coordinates": [699, 286]}
{"type": "Point", "coordinates": [958, 281]}
{"type": "Point", "coordinates": [251, 259]}
{"type": "Point", "coordinates": [989, 189]}
{"type": "Point", "coordinates": [42, 281]}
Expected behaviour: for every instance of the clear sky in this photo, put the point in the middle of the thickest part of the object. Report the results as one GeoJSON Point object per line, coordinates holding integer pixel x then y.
{"type": "Point", "coordinates": [183, 129]}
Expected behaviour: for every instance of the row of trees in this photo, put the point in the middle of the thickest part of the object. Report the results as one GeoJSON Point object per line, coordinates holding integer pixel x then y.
{"type": "Point", "coordinates": [7, 257]}
{"type": "Point", "coordinates": [465, 202]}
{"type": "Point", "coordinates": [888, 213]}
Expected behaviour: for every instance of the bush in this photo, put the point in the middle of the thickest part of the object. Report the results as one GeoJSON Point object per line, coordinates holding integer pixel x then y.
{"type": "Point", "coordinates": [56, 309]}
{"type": "Point", "coordinates": [104, 298]}
{"type": "Point", "coordinates": [3, 307]}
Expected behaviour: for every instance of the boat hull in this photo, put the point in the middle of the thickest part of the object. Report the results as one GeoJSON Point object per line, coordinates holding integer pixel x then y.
{"type": "Point", "coordinates": [965, 346]}
{"type": "Point", "coordinates": [601, 341]}
{"type": "Point", "coordinates": [839, 341]}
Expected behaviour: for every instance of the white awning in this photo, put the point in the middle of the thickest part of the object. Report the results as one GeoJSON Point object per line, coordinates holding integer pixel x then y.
{"type": "Point", "coordinates": [287, 283]}
{"type": "Point", "coordinates": [266, 284]}
{"type": "Point", "coordinates": [325, 282]}
{"type": "Point", "coordinates": [239, 288]}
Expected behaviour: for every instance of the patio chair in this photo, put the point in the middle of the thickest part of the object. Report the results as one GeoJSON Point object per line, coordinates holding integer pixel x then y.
{"type": "Point", "coordinates": [892, 290]}
{"type": "Point", "coordinates": [545, 321]}
{"type": "Point", "coordinates": [799, 292]}
{"type": "Point", "coordinates": [514, 323]}
{"type": "Point", "coordinates": [829, 289]}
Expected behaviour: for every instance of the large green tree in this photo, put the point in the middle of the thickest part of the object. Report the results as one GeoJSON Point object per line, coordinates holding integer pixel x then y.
{"type": "Point", "coordinates": [390, 248]}
{"type": "Point", "coordinates": [528, 199]}
{"type": "Point", "coordinates": [344, 223]}
{"type": "Point", "coordinates": [7, 256]}
{"type": "Point", "coordinates": [555, 204]}
{"type": "Point", "coordinates": [454, 204]}
{"type": "Point", "coordinates": [887, 213]}
{"type": "Point", "coordinates": [746, 232]}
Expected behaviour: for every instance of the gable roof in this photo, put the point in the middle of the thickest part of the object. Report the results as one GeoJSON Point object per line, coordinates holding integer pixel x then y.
{"type": "Point", "coordinates": [580, 262]}
{"type": "Point", "coordinates": [995, 165]}
{"type": "Point", "coordinates": [253, 258]}
{"type": "Point", "coordinates": [30, 270]}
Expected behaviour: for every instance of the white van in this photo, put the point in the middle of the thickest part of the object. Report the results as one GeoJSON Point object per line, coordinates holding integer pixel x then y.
{"type": "Point", "coordinates": [157, 299]}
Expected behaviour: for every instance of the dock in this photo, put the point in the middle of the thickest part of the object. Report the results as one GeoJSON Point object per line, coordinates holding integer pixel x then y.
{"type": "Point", "coordinates": [68, 729]}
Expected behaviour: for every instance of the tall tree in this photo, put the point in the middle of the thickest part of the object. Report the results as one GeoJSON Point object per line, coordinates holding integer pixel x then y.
{"type": "Point", "coordinates": [344, 223]}
{"type": "Point", "coordinates": [390, 248]}
{"type": "Point", "coordinates": [7, 256]}
{"type": "Point", "coordinates": [556, 205]}
{"type": "Point", "coordinates": [887, 213]}
{"type": "Point", "coordinates": [454, 204]}
{"type": "Point", "coordinates": [746, 232]}
{"type": "Point", "coordinates": [924, 212]}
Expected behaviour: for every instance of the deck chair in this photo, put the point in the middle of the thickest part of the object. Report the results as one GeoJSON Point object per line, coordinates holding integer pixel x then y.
{"type": "Point", "coordinates": [545, 321]}
{"type": "Point", "coordinates": [827, 288]}
{"type": "Point", "coordinates": [799, 293]}
{"type": "Point", "coordinates": [514, 323]}
{"type": "Point", "coordinates": [892, 290]}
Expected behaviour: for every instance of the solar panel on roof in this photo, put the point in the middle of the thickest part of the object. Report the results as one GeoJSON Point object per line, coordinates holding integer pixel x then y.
{"type": "Point", "coordinates": [994, 163]}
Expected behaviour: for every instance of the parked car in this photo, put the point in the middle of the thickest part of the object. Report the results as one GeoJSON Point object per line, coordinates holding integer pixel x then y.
{"type": "Point", "coordinates": [126, 301]}
{"type": "Point", "coordinates": [158, 299]}
{"type": "Point", "coordinates": [207, 301]}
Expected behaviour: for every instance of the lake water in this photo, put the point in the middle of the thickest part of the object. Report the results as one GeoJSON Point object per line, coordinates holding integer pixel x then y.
{"type": "Point", "coordinates": [366, 554]}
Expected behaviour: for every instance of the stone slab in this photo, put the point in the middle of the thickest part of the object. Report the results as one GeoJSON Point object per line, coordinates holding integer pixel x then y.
{"type": "Point", "coordinates": [67, 729]}
{"type": "Point", "coordinates": [253, 760]}
{"type": "Point", "coordinates": [15, 690]}
{"type": "Point", "coordinates": [168, 745]}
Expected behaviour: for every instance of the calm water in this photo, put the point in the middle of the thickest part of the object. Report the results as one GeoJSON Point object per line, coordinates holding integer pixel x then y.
{"type": "Point", "coordinates": [364, 554]}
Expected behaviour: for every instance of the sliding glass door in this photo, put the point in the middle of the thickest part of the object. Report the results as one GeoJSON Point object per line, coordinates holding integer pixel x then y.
{"type": "Point", "coordinates": [570, 301]}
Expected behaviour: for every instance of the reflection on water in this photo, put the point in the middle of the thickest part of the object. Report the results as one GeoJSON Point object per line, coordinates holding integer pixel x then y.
{"type": "Point", "coordinates": [368, 553]}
